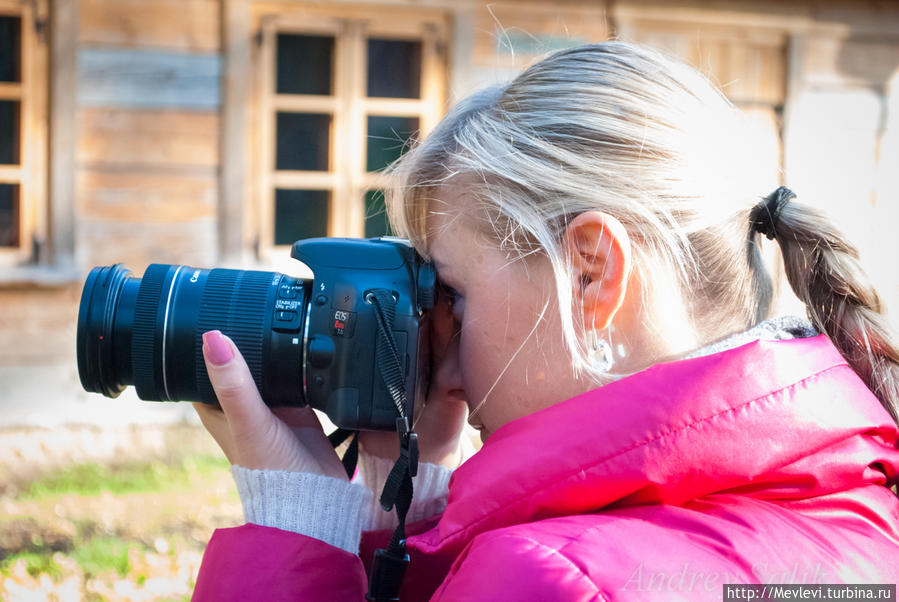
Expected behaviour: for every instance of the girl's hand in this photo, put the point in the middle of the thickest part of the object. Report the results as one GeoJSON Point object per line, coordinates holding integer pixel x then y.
{"type": "Point", "coordinates": [440, 421]}
{"type": "Point", "coordinates": [250, 433]}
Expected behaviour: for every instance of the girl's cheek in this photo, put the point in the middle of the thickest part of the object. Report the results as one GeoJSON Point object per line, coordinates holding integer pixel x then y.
{"type": "Point", "coordinates": [464, 371]}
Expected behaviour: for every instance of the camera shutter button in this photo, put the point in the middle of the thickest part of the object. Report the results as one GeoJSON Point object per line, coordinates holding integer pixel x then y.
{"type": "Point", "coordinates": [320, 351]}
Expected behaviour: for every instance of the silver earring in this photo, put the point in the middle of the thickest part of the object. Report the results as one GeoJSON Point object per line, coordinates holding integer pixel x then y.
{"type": "Point", "coordinates": [600, 352]}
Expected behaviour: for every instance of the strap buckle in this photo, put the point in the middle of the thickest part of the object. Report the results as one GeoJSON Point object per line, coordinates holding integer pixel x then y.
{"type": "Point", "coordinates": [387, 572]}
{"type": "Point", "coordinates": [408, 444]}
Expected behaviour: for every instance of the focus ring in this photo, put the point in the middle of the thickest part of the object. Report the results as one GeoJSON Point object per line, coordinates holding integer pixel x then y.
{"type": "Point", "coordinates": [109, 380]}
{"type": "Point", "coordinates": [145, 354]}
{"type": "Point", "coordinates": [234, 301]}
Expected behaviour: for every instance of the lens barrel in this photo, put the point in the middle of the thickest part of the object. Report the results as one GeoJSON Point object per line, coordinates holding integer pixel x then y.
{"type": "Point", "coordinates": [148, 331]}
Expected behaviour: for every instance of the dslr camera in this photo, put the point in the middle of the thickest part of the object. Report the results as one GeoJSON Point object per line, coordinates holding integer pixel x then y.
{"type": "Point", "coordinates": [349, 342]}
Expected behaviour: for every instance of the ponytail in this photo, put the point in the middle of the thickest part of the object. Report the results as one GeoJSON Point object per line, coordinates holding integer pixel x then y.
{"type": "Point", "coordinates": [824, 272]}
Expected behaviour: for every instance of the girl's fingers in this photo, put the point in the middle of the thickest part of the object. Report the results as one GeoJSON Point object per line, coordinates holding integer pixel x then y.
{"type": "Point", "coordinates": [247, 414]}
{"type": "Point", "coordinates": [298, 417]}
{"type": "Point", "coordinates": [307, 428]}
{"type": "Point", "coordinates": [216, 423]}
{"type": "Point", "coordinates": [252, 434]}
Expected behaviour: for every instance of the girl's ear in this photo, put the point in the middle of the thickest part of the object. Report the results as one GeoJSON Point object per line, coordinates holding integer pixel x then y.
{"type": "Point", "coordinates": [600, 253]}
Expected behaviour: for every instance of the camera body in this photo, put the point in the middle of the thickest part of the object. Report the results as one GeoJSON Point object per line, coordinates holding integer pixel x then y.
{"type": "Point", "coordinates": [307, 342]}
{"type": "Point", "coordinates": [342, 377]}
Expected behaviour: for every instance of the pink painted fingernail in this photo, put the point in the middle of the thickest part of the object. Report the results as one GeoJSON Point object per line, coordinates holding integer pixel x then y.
{"type": "Point", "coordinates": [217, 348]}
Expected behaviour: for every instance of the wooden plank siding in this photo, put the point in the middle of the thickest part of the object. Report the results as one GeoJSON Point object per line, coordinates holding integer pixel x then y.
{"type": "Point", "coordinates": [168, 140]}
{"type": "Point", "coordinates": [122, 196]}
{"type": "Point", "coordinates": [117, 77]}
{"type": "Point", "coordinates": [27, 328]}
{"type": "Point", "coordinates": [187, 25]}
{"type": "Point", "coordinates": [510, 35]}
{"type": "Point", "coordinates": [148, 132]}
{"type": "Point", "coordinates": [748, 65]}
{"type": "Point", "coordinates": [138, 242]}
{"type": "Point", "coordinates": [147, 187]}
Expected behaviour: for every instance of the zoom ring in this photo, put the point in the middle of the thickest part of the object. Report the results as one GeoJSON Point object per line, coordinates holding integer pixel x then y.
{"type": "Point", "coordinates": [234, 301]}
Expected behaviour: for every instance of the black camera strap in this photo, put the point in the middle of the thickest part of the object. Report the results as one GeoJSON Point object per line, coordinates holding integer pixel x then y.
{"type": "Point", "coordinates": [388, 566]}
{"type": "Point", "coordinates": [386, 353]}
{"type": "Point", "coordinates": [351, 455]}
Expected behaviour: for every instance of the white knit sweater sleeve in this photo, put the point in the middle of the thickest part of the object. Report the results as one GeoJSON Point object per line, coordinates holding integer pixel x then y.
{"type": "Point", "coordinates": [325, 508]}
{"type": "Point", "coordinates": [333, 510]}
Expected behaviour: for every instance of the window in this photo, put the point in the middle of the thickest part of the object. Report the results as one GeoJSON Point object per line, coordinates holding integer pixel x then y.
{"type": "Point", "coordinates": [10, 130]}
{"type": "Point", "coordinates": [22, 129]}
{"type": "Point", "coordinates": [340, 97]}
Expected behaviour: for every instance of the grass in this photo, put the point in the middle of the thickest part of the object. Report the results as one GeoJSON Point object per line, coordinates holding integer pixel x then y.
{"type": "Point", "coordinates": [36, 563]}
{"type": "Point", "coordinates": [104, 555]}
{"type": "Point", "coordinates": [93, 479]}
{"type": "Point", "coordinates": [100, 556]}
{"type": "Point", "coordinates": [114, 532]}
{"type": "Point", "coordinates": [103, 569]}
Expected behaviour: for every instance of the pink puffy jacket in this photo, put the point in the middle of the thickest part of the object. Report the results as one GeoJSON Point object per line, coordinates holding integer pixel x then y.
{"type": "Point", "coordinates": [765, 463]}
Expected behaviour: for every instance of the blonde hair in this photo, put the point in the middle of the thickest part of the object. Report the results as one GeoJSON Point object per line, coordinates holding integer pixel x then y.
{"type": "Point", "coordinates": [623, 129]}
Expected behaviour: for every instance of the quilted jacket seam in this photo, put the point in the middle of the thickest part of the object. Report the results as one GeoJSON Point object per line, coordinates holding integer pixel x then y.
{"type": "Point", "coordinates": [557, 552]}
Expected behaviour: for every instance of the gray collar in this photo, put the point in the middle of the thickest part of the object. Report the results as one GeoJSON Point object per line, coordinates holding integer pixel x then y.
{"type": "Point", "coordinates": [775, 329]}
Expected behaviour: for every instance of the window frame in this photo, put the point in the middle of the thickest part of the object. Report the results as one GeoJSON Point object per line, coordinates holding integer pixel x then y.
{"type": "Point", "coordinates": [347, 179]}
{"type": "Point", "coordinates": [32, 94]}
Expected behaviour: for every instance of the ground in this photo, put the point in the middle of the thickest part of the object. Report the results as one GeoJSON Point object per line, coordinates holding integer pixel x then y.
{"type": "Point", "coordinates": [126, 528]}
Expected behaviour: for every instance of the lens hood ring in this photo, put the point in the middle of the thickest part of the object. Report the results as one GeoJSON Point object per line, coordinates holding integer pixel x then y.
{"type": "Point", "coordinates": [96, 327]}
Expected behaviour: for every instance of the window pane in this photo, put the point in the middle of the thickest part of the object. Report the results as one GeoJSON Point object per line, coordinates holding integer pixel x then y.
{"type": "Point", "coordinates": [387, 137]}
{"type": "Point", "coordinates": [10, 49]}
{"type": "Point", "coordinates": [394, 68]}
{"type": "Point", "coordinates": [9, 132]}
{"type": "Point", "coordinates": [376, 223]}
{"type": "Point", "coordinates": [303, 140]}
{"type": "Point", "coordinates": [300, 214]}
{"type": "Point", "coordinates": [304, 64]}
{"type": "Point", "coordinates": [9, 215]}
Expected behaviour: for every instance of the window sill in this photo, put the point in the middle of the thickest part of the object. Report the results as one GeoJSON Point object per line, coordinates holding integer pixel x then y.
{"type": "Point", "coordinates": [35, 276]}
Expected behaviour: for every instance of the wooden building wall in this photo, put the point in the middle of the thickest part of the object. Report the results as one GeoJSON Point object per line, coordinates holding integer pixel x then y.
{"type": "Point", "coordinates": [144, 172]}
{"type": "Point", "coordinates": [159, 106]}
{"type": "Point", "coordinates": [148, 130]}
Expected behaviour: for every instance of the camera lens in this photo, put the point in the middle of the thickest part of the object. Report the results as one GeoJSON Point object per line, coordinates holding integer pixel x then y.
{"type": "Point", "coordinates": [148, 332]}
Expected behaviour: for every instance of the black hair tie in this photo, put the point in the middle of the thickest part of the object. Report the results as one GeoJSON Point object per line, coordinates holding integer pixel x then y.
{"type": "Point", "coordinates": [764, 216]}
